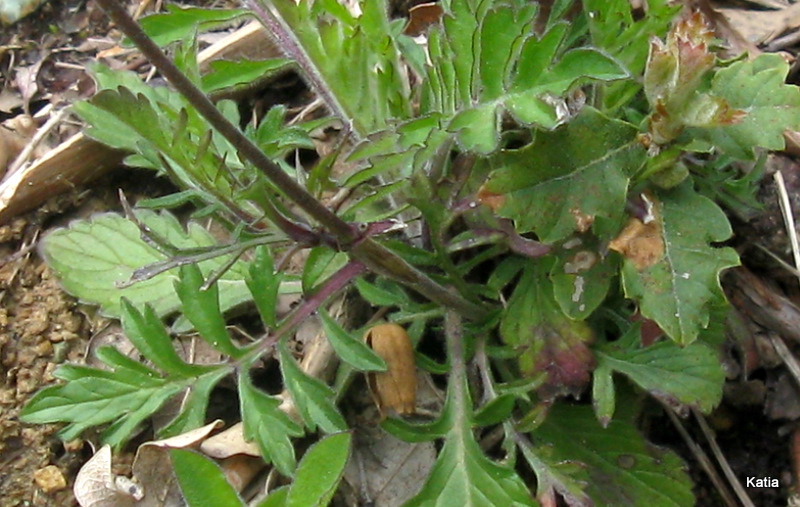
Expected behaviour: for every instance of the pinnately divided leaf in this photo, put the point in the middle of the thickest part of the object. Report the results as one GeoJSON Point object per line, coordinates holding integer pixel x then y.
{"type": "Point", "coordinates": [679, 282]}
{"type": "Point", "coordinates": [92, 397]}
{"type": "Point", "coordinates": [759, 89]}
{"type": "Point", "coordinates": [691, 375]}
{"type": "Point", "coordinates": [565, 179]}
{"type": "Point", "coordinates": [129, 392]}
{"type": "Point", "coordinates": [462, 474]}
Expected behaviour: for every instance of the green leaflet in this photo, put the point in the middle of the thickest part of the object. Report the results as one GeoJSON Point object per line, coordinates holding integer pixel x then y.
{"type": "Point", "coordinates": [678, 290]}
{"type": "Point", "coordinates": [264, 284]}
{"type": "Point", "coordinates": [581, 278]}
{"type": "Point", "coordinates": [229, 74]}
{"type": "Point", "coordinates": [92, 256]}
{"type": "Point", "coordinates": [315, 400]}
{"type": "Point", "coordinates": [758, 88]}
{"type": "Point", "coordinates": [201, 307]}
{"type": "Point", "coordinates": [622, 468]}
{"type": "Point", "coordinates": [318, 475]}
{"type": "Point", "coordinates": [349, 348]}
{"type": "Point", "coordinates": [130, 392]}
{"type": "Point", "coordinates": [319, 472]}
{"type": "Point", "coordinates": [180, 22]}
{"type": "Point", "coordinates": [691, 375]}
{"type": "Point", "coordinates": [265, 423]}
{"type": "Point", "coordinates": [202, 481]}
{"type": "Point", "coordinates": [567, 177]}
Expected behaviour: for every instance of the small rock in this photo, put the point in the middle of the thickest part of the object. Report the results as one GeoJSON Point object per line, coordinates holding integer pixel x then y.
{"type": "Point", "coordinates": [50, 479]}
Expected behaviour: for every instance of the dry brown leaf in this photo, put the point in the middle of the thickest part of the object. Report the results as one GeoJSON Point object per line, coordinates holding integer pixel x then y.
{"type": "Point", "coordinates": [421, 16]}
{"type": "Point", "coordinates": [229, 442]}
{"type": "Point", "coordinates": [762, 26]}
{"type": "Point", "coordinates": [152, 467]}
{"type": "Point", "coordinates": [640, 243]}
{"type": "Point", "coordinates": [395, 389]}
{"type": "Point", "coordinates": [97, 486]}
{"type": "Point", "coordinates": [387, 471]}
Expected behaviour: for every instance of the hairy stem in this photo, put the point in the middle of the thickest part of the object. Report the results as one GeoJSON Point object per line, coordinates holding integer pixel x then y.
{"type": "Point", "coordinates": [376, 257]}
{"type": "Point", "coordinates": [294, 50]}
{"type": "Point", "coordinates": [208, 110]}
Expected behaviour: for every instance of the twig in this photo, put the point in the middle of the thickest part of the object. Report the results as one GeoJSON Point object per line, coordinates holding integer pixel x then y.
{"type": "Point", "coordinates": [762, 303]}
{"type": "Point", "coordinates": [786, 356]}
{"type": "Point", "coordinates": [723, 462]}
{"type": "Point", "coordinates": [701, 457]}
{"type": "Point", "coordinates": [788, 218]}
{"type": "Point", "coordinates": [26, 152]}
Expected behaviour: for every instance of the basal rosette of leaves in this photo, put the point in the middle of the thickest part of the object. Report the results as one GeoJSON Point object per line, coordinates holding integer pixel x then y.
{"type": "Point", "coordinates": [550, 215]}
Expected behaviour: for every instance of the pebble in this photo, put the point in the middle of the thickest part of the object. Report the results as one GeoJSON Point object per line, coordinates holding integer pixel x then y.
{"type": "Point", "coordinates": [50, 479]}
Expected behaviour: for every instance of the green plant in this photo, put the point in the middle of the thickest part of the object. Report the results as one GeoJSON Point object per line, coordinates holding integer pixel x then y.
{"type": "Point", "coordinates": [544, 219]}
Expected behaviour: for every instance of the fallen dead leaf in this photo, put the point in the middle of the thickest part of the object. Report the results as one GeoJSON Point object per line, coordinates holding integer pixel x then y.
{"type": "Point", "coordinates": [152, 467]}
{"type": "Point", "coordinates": [762, 26]}
{"type": "Point", "coordinates": [14, 136]}
{"type": "Point", "coordinates": [97, 486]}
{"type": "Point", "coordinates": [387, 471]}
{"type": "Point", "coordinates": [229, 442]}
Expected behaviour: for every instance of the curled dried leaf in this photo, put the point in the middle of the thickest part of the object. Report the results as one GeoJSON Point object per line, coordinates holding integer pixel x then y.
{"type": "Point", "coordinates": [642, 241]}
{"type": "Point", "coordinates": [490, 199]}
{"type": "Point", "coordinates": [394, 390]}
{"type": "Point", "coordinates": [421, 16]}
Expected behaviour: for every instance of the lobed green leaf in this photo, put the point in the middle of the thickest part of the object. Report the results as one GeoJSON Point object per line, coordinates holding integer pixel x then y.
{"type": "Point", "coordinates": [770, 106]}
{"type": "Point", "coordinates": [91, 257]}
{"type": "Point", "coordinates": [691, 375]}
{"type": "Point", "coordinates": [679, 289]}
{"type": "Point", "coordinates": [568, 177]}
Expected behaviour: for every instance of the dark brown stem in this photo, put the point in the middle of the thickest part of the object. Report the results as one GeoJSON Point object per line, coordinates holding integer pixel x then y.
{"type": "Point", "coordinates": [309, 306]}
{"type": "Point", "coordinates": [205, 107]}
